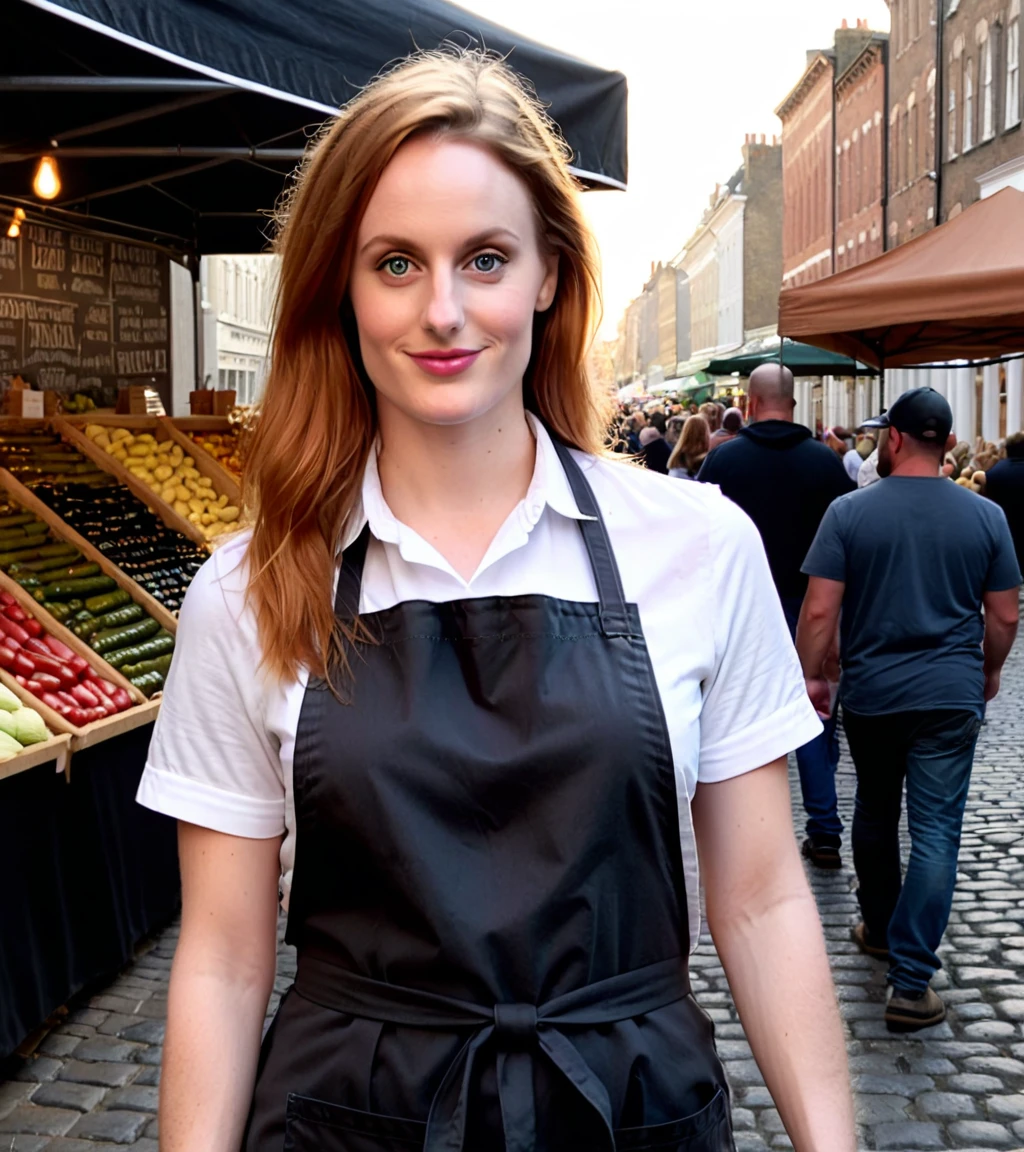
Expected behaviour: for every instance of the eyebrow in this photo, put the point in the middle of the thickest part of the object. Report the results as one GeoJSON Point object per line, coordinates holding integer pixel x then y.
{"type": "Point", "coordinates": [389, 241]}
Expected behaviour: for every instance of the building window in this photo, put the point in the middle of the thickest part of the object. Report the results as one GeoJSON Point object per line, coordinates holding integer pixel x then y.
{"type": "Point", "coordinates": [968, 133]}
{"type": "Point", "coordinates": [951, 120]}
{"type": "Point", "coordinates": [932, 145]}
{"type": "Point", "coordinates": [1012, 115]}
{"type": "Point", "coordinates": [988, 88]}
{"type": "Point", "coordinates": [913, 144]}
{"type": "Point", "coordinates": [222, 378]}
{"type": "Point", "coordinates": [915, 19]}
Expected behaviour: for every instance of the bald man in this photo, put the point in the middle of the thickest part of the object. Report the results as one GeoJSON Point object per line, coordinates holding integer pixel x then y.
{"type": "Point", "coordinates": [785, 479]}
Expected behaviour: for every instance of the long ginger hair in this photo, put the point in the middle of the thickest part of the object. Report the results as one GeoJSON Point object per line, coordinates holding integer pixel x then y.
{"type": "Point", "coordinates": [317, 422]}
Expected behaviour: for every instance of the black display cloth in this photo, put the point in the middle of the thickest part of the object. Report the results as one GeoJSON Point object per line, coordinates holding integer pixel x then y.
{"type": "Point", "coordinates": [273, 70]}
{"type": "Point", "coordinates": [87, 873]}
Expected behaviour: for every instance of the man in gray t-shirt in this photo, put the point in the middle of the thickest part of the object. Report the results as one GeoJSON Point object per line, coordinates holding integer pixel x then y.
{"type": "Point", "coordinates": [911, 561]}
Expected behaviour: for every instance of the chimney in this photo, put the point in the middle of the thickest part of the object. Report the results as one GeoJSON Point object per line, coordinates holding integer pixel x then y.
{"type": "Point", "coordinates": [761, 141]}
{"type": "Point", "coordinates": [845, 24]}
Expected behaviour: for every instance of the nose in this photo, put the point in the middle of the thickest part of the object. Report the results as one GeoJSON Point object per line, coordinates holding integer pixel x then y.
{"type": "Point", "coordinates": [443, 313]}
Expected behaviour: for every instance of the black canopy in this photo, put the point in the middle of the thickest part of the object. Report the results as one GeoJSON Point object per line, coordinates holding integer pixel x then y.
{"type": "Point", "coordinates": [179, 121]}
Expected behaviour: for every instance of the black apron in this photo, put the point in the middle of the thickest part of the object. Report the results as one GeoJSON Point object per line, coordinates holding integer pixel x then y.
{"type": "Point", "coordinates": [488, 899]}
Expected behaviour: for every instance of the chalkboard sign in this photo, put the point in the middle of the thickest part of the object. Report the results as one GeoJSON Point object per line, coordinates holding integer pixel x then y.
{"type": "Point", "coordinates": [83, 313]}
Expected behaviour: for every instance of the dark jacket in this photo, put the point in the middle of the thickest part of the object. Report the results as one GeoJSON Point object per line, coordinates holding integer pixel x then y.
{"type": "Point", "coordinates": [1004, 484]}
{"type": "Point", "coordinates": [655, 455]}
{"type": "Point", "coordinates": [784, 480]}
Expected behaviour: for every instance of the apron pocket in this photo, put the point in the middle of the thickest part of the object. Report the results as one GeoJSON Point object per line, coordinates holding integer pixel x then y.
{"type": "Point", "coordinates": [708, 1130]}
{"type": "Point", "coordinates": [316, 1126]}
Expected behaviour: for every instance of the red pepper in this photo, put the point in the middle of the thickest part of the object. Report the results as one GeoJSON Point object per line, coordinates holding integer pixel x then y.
{"type": "Point", "coordinates": [41, 663]}
{"type": "Point", "coordinates": [33, 627]}
{"type": "Point", "coordinates": [33, 686]}
{"type": "Point", "coordinates": [77, 716]}
{"type": "Point", "coordinates": [53, 701]}
{"type": "Point", "coordinates": [45, 681]}
{"type": "Point", "coordinates": [90, 674]}
{"type": "Point", "coordinates": [15, 612]}
{"type": "Point", "coordinates": [37, 646]}
{"type": "Point", "coordinates": [21, 679]}
{"type": "Point", "coordinates": [102, 687]}
{"type": "Point", "coordinates": [11, 642]}
{"type": "Point", "coordinates": [23, 665]}
{"type": "Point", "coordinates": [121, 699]}
{"type": "Point", "coordinates": [84, 697]}
{"type": "Point", "coordinates": [6, 599]}
{"type": "Point", "coordinates": [6, 656]}
{"type": "Point", "coordinates": [79, 665]}
{"type": "Point", "coordinates": [10, 628]}
{"type": "Point", "coordinates": [69, 700]}
{"type": "Point", "coordinates": [61, 651]}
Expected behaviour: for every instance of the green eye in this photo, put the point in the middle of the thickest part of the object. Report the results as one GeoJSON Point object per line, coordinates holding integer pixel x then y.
{"type": "Point", "coordinates": [396, 265]}
{"type": "Point", "coordinates": [487, 262]}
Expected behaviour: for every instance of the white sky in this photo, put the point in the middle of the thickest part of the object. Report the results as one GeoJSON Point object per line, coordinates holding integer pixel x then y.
{"type": "Point", "coordinates": [702, 74]}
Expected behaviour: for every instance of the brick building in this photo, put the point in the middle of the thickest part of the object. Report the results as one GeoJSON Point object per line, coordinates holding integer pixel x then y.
{"type": "Point", "coordinates": [913, 119]}
{"type": "Point", "coordinates": [984, 146]}
{"type": "Point", "coordinates": [807, 143]}
{"type": "Point", "coordinates": [860, 156]}
{"type": "Point", "coordinates": [733, 260]}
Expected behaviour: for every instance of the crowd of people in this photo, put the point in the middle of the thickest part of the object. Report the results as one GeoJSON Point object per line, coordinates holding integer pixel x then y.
{"type": "Point", "coordinates": [896, 552]}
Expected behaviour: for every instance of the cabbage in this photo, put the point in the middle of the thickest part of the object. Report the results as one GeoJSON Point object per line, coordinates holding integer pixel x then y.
{"type": "Point", "coordinates": [29, 727]}
{"type": "Point", "coordinates": [7, 723]}
{"type": "Point", "coordinates": [8, 701]}
{"type": "Point", "coordinates": [8, 746]}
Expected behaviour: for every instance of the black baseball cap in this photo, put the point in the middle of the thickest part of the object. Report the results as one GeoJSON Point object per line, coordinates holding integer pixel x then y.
{"type": "Point", "coordinates": [922, 413]}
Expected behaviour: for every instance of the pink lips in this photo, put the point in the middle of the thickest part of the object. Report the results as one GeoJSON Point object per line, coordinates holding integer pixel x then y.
{"type": "Point", "coordinates": [446, 362]}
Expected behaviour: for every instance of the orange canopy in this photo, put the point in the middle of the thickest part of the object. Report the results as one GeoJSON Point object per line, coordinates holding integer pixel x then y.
{"type": "Point", "coordinates": [955, 293]}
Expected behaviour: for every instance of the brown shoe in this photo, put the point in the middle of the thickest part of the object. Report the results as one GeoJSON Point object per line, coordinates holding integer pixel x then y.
{"type": "Point", "coordinates": [821, 855]}
{"type": "Point", "coordinates": [860, 938]}
{"type": "Point", "coordinates": [903, 1014]}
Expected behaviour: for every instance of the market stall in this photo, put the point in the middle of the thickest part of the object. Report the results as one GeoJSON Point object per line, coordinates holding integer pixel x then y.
{"type": "Point", "coordinates": [137, 133]}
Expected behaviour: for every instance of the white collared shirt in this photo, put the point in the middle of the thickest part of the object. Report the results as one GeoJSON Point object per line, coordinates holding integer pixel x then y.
{"type": "Point", "coordinates": [730, 683]}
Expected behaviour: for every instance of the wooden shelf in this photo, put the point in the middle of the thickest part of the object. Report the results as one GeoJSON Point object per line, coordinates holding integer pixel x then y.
{"type": "Point", "coordinates": [57, 748]}
{"type": "Point", "coordinates": [31, 503]}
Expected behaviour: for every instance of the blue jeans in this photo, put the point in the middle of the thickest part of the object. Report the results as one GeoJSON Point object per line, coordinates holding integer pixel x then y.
{"type": "Point", "coordinates": [817, 762]}
{"type": "Point", "coordinates": [934, 752]}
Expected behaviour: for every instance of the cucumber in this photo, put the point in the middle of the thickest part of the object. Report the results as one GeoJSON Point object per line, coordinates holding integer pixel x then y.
{"type": "Point", "coordinates": [66, 589]}
{"type": "Point", "coordinates": [148, 683]}
{"type": "Point", "coordinates": [159, 664]}
{"type": "Point", "coordinates": [159, 645]}
{"type": "Point", "coordinates": [111, 639]}
{"type": "Point", "coordinates": [108, 600]}
{"type": "Point", "coordinates": [58, 611]}
{"type": "Point", "coordinates": [77, 572]}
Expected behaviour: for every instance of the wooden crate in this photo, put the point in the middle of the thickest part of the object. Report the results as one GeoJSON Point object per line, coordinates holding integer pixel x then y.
{"type": "Point", "coordinates": [163, 429]}
{"type": "Point", "coordinates": [141, 713]}
{"type": "Point", "coordinates": [58, 748]}
{"type": "Point", "coordinates": [107, 463]}
{"type": "Point", "coordinates": [31, 503]}
{"type": "Point", "coordinates": [57, 630]}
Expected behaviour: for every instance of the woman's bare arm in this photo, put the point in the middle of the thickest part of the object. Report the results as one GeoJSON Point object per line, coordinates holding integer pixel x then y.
{"type": "Point", "coordinates": [766, 928]}
{"type": "Point", "coordinates": [220, 984]}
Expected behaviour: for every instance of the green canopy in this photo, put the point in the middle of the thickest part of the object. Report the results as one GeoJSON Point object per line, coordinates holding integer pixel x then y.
{"type": "Point", "coordinates": [802, 359]}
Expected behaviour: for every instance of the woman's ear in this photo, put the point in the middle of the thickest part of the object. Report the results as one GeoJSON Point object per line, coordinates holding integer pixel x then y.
{"type": "Point", "coordinates": [549, 285]}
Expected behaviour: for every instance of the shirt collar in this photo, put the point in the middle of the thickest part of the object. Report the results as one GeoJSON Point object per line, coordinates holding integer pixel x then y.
{"type": "Point", "coordinates": [549, 488]}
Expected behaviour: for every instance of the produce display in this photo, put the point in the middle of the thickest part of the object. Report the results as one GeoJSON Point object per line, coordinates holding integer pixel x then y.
{"type": "Point", "coordinates": [41, 455]}
{"type": "Point", "coordinates": [79, 403]}
{"type": "Point", "coordinates": [224, 447]}
{"type": "Point", "coordinates": [19, 725]}
{"type": "Point", "coordinates": [163, 466]}
{"type": "Point", "coordinates": [131, 536]}
{"type": "Point", "coordinates": [75, 592]}
{"type": "Point", "coordinates": [51, 672]}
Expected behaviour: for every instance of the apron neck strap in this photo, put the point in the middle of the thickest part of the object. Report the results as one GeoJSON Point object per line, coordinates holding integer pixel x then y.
{"type": "Point", "coordinates": [614, 615]}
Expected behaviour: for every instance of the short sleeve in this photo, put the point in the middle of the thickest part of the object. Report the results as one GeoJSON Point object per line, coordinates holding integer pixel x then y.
{"type": "Point", "coordinates": [211, 761]}
{"type": "Point", "coordinates": [755, 707]}
{"type": "Point", "coordinates": [1004, 571]}
{"type": "Point", "coordinates": [827, 555]}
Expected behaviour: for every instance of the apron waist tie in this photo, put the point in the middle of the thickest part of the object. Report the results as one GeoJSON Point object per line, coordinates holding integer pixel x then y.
{"type": "Point", "coordinates": [517, 1030]}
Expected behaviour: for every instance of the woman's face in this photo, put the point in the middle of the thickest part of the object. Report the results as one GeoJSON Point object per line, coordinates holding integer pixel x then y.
{"type": "Point", "coordinates": [447, 278]}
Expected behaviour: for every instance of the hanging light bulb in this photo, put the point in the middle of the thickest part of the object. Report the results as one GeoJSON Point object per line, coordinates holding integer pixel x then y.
{"type": "Point", "coordinates": [46, 181]}
{"type": "Point", "coordinates": [14, 230]}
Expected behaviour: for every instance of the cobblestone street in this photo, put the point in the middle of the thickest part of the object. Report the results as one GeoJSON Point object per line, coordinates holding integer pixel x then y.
{"type": "Point", "coordinates": [92, 1082]}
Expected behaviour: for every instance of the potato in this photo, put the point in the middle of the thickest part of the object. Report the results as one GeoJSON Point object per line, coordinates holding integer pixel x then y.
{"type": "Point", "coordinates": [120, 434]}
{"type": "Point", "coordinates": [165, 446]}
{"type": "Point", "coordinates": [204, 482]}
{"type": "Point", "coordinates": [181, 508]}
{"type": "Point", "coordinates": [222, 500]}
{"type": "Point", "coordinates": [229, 515]}
{"type": "Point", "coordinates": [184, 495]}
{"type": "Point", "coordinates": [163, 472]}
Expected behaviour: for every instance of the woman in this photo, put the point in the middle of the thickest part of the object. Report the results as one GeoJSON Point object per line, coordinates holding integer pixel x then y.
{"type": "Point", "coordinates": [693, 445]}
{"type": "Point", "coordinates": [455, 750]}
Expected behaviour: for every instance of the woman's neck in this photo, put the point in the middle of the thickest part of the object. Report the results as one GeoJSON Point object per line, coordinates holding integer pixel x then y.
{"type": "Point", "coordinates": [455, 485]}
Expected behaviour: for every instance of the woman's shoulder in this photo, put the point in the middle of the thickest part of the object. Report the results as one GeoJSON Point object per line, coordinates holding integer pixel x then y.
{"type": "Point", "coordinates": [216, 598]}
